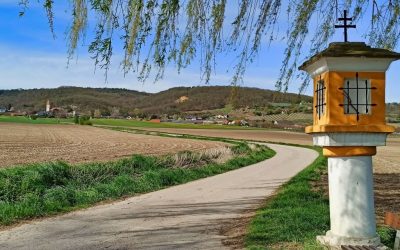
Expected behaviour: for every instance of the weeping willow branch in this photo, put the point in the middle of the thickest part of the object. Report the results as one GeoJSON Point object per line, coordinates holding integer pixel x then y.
{"type": "Point", "coordinates": [79, 24]}
{"type": "Point", "coordinates": [155, 33]}
{"type": "Point", "coordinates": [48, 6]}
{"type": "Point", "coordinates": [24, 6]}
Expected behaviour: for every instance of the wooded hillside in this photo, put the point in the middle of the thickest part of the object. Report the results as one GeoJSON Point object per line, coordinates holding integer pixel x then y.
{"type": "Point", "coordinates": [171, 101]}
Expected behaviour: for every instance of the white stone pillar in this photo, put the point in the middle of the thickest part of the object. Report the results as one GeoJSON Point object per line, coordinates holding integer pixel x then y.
{"type": "Point", "coordinates": [397, 241]}
{"type": "Point", "coordinates": [351, 199]}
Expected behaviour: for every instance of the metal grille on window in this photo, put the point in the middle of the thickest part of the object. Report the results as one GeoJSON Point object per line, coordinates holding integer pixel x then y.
{"type": "Point", "coordinates": [357, 96]}
{"type": "Point", "coordinates": [320, 98]}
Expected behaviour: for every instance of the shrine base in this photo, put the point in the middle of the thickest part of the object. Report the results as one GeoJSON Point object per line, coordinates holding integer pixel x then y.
{"type": "Point", "coordinates": [351, 199]}
{"type": "Point", "coordinates": [336, 242]}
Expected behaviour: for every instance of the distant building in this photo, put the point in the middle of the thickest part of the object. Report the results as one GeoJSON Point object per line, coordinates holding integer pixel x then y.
{"type": "Point", "coordinates": [48, 106]}
{"type": "Point", "coordinates": [208, 122]}
{"type": "Point", "coordinates": [155, 120]}
{"type": "Point", "coordinates": [3, 110]}
{"type": "Point", "coordinates": [190, 118]}
{"type": "Point", "coordinates": [17, 113]}
{"type": "Point", "coordinates": [43, 114]}
{"type": "Point", "coordinates": [221, 116]}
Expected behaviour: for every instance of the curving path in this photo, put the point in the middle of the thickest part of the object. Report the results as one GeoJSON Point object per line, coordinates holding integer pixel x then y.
{"type": "Point", "coordinates": [187, 216]}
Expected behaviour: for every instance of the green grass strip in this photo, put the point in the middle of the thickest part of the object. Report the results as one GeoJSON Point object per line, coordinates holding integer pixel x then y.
{"type": "Point", "coordinates": [122, 123]}
{"type": "Point", "coordinates": [27, 120]}
{"type": "Point", "coordinates": [297, 214]}
{"type": "Point", "coordinates": [147, 124]}
{"type": "Point", "coordinates": [45, 189]}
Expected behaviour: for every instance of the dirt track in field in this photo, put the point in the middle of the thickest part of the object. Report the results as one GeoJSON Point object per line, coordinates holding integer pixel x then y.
{"type": "Point", "coordinates": [27, 143]}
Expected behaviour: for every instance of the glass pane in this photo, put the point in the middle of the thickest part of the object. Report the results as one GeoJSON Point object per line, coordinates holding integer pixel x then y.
{"type": "Point", "coordinates": [357, 96]}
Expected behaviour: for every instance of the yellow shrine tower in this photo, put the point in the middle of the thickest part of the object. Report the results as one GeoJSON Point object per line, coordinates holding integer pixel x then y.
{"type": "Point", "coordinates": [349, 122]}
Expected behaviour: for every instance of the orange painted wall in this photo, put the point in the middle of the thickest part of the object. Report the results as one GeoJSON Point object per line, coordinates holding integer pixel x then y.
{"type": "Point", "coordinates": [336, 114]}
{"type": "Point", "coordinates": [323, 119]}
{"type": "Point", "coordinates": [335, 119]}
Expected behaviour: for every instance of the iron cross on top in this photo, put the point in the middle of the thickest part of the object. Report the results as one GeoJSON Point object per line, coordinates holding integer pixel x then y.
{"type": "Point", "coordinates": [345, 25]}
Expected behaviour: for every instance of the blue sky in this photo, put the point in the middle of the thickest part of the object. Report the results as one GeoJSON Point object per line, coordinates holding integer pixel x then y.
{"type": "Point", "coordinates": [31, 58]}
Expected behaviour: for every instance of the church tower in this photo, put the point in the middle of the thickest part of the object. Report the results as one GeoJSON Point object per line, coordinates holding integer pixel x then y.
{"type": "Point", "coordinates": [48, 106]}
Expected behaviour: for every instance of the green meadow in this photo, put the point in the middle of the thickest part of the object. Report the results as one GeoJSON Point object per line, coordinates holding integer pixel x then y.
{"type": "Point", "coordinates": [25, 119]}
{"type": "Point", "coordinates": [118, 123]}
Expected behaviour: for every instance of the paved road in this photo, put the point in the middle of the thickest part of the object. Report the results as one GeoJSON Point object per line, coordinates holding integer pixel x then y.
{"type": "Point", "coordinates": [187, 216]}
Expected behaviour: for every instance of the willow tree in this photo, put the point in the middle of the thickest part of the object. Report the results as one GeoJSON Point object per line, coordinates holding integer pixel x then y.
{"type": "Point", "coordinates": [155, 33]}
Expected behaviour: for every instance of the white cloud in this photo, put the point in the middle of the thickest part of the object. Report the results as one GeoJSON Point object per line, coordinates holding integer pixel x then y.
{"type": "Point", "coordinates": [33, 69]}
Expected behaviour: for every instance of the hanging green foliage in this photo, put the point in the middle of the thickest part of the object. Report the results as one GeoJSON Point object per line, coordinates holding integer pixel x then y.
{"type": "Point", "coordinates": [158, 32]}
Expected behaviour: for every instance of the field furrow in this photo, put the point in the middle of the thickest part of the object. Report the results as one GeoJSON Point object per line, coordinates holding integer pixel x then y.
{"type": "Point", "coordinates": [25, 143]}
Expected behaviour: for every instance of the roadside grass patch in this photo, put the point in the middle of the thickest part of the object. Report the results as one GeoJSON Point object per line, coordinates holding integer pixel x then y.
{"type": "Point", "coordinates": [295, 215]}
{"type": "Point", "coordinates": [388, 235]}
{"type": "Point", "coordinates": [39, 190]}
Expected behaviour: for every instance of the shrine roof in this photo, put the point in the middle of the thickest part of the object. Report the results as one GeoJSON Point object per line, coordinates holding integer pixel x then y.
{"type": "Point", "coordinates": [351, 49]}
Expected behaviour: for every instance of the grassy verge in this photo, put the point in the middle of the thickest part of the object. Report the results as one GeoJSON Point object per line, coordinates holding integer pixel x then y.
{"type": "Point", "coordinates": [120, 122]}
{"type": "Point", "coordinates": [294, 216]}
{"type": "Point", "coordinates": [146, 124]}
{"type": "Point", "coordinates": [24, 119]}
{"type": "Point", "coordinates": [45, 189]}
{"type": "Point", "coordinates": [297, 214]}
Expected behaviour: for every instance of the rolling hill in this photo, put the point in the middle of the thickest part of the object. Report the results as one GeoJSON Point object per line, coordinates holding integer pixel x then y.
{"type": "Point", "coordinates": [171, 101]}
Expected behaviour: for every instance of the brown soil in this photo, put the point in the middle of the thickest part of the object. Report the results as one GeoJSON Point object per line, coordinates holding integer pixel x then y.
{"type": "Point", "coordinates": [387, 160]}
{"type": "Point", "coordinates": [260, 135]}
{"type": "Point", "coordinates": [27, 143]}
{"type": "Point", "coordinates": [235, 230]}
{"type": "Point", "coordinates": [387, 178]}
{"type": "Point", "coordinates": [387, 192]}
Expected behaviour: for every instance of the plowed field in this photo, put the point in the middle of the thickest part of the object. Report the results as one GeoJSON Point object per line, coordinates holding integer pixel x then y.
{"type": "Point", "coordinates": [25, 143]}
